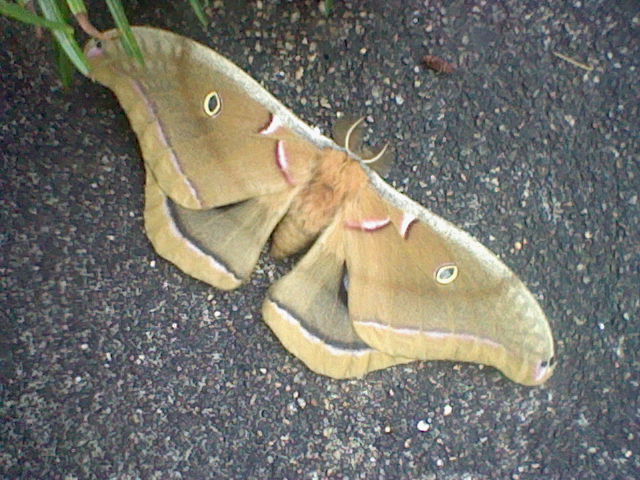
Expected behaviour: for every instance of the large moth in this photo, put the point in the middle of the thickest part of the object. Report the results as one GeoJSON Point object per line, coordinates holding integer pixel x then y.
{"type": "Point", "coordinates": [383, 281]}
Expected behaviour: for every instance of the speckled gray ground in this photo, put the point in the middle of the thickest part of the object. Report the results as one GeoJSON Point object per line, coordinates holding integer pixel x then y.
{"type": "Point", "coordinates": [116, 365]}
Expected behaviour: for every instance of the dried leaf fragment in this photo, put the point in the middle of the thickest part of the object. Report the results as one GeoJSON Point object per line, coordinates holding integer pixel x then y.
{"type": "Point", "coordinates": [438, 64]}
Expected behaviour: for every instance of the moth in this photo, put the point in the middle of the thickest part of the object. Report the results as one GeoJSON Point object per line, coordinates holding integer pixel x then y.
{"type": "Point", "coordinates": [382, 281]}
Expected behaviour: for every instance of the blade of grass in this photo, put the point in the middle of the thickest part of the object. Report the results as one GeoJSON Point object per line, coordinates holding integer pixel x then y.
{"type": "Point", "coordinates": [126, 35]}
{"type": "Point", "coordinates": [199, 11]}
{"type": "Point", "coordinates": [51, 11]}
{"type": "Point", "coordinates": [76, 6]}
{"type": "Point", "coordinates": [64, 11]}
{"type": "Point", "coordinates": [22, 14]}
{"type": "Point", "coordinates": [65, 66]}
{"type": "Point", "coordinates": [328, 7]}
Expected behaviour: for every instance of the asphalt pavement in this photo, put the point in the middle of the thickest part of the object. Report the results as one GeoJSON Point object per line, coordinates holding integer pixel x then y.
{"type": "Point", "coordinates": [115, 365]}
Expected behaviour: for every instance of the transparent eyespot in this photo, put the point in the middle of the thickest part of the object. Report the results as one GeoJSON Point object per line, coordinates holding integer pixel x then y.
{"type": "Point", "coordinates": [446, 274]}
{"type": "Point", "coordinates": [212, 104]}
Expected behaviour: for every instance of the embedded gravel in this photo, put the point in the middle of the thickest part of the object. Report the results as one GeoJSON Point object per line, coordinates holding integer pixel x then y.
{"type": "Point", "coordinates": [115, 365]}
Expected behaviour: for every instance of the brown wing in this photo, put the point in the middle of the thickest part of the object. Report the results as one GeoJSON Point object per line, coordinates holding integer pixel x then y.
{"type": "Point", "coordinates": [222, 166]}
{"type": "Point", "coordinates": [220, 245]}
{"type": "Point", "coordinates": [307, 310]}
{"type": "Point", "coordinates": [207, 139]}
{"type": "Point", "coordinates": [422, 288]}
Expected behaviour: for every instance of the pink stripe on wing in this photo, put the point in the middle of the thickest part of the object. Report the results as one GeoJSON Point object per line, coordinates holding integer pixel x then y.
{"type": "Point", "coordinates": [274, 124]}
{"type": "Point", "coordinates": [407, 221]}
{"type": "Point", "coordinates": [282, 161]}
{"type": "Point", "coordinates": [162, 135]}
{"type": "Point", "coordinates": [369, 225]}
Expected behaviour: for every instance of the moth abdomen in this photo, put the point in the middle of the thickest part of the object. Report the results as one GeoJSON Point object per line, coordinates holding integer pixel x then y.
{"type": "Point", "coordinates": [289, 238]}
{"type": "Point", "coordinates": [310, 212]}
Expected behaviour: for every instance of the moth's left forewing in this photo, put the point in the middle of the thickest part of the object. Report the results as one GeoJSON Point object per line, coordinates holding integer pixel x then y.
{"type": "Point", "coordinates": [224, 158]}
{"type": "Point", "coordinates": [209, 132]}
{"type": "Point", "coordinates": [422, 288]}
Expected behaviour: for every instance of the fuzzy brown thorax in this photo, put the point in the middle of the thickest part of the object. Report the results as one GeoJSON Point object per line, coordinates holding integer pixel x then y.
{"type": "Point", "coordinates": [336, 179]}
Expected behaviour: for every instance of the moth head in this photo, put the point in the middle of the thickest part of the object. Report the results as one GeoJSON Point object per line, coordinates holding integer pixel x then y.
{"type": "Point", "coordinates": [212, 104]}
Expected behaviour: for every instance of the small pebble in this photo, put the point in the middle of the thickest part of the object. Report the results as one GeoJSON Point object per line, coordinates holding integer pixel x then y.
{"type": "Point", "coordinates": [423, 426]}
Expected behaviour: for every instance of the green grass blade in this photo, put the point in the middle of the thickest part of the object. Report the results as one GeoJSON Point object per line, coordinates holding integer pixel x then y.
{"type": "Point", "coordinates": [51, 11]}
{"type": "Point", "coordinates": [328, 7]}
{"type": "Point", "coordinates": [65, 66]}
{"type": "Point", "coordinates": [22, 14]}
{"type": "Point", "coordinates": [126, 35]}
{"type": "Point", "coordinates": [76, 6]}
{"type": "Point", "coordinates": [199, 11]}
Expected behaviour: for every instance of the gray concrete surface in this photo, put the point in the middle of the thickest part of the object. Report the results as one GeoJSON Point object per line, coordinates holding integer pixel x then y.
{"type": "Point", "coordinates": [115, 365]}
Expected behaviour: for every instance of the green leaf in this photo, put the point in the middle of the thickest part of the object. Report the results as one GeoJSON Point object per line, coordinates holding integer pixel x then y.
{"type": "Point", "coordinates": [328, 7]}
{"type": "Point", "coordinates": [22, 14]}
{"type": "Point", "coordinates": [51, 11]}
{"type": "Point", "coordinates": [126, 35]}
{"type": "Point", "coordinates": [199, 11]}
{"type": "Point", "coordinates": [76, 6]}
{"type": "Point", "coordinates": [65, 66]}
